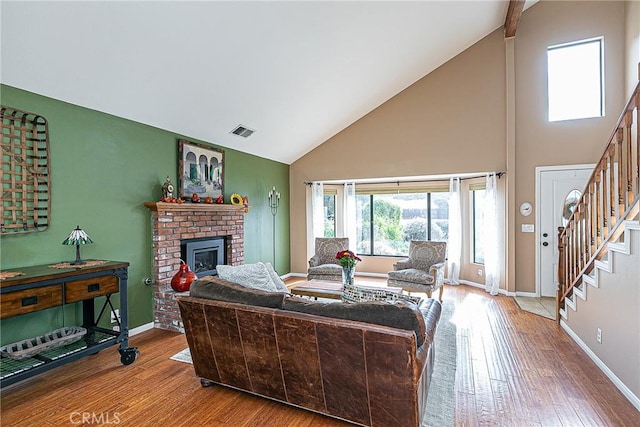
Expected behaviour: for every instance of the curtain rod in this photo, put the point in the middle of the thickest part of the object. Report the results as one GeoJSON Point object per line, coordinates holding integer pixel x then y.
{"type": "Point", "coordinates": [498, 174]}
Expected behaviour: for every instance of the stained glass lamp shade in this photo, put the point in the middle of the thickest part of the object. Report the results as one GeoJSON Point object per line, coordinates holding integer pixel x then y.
{"type": "Point", "coordinates": [77, 237]}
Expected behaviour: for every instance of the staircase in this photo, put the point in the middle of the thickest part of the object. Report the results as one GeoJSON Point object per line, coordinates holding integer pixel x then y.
{"type": "Point", "coordinates": [607, 214]}
{"type": "Point", "coordinates": [604, 267]}
{"type": "Point", "coordinates": [598, 294]}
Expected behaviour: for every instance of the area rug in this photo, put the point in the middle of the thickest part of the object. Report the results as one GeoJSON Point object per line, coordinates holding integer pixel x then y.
{"type": "Point", "coordinates": [544, 306]}
{"type": "Point", "coordinates": [441, 399]}
{"type": "Point", "coordinates": [183, 356]}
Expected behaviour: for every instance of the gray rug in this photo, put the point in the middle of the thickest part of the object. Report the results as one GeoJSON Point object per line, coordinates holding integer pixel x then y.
{"type": "Point", "coordinates": [441, 400]}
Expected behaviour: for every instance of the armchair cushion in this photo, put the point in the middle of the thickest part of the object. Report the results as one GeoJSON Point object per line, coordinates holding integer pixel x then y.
{"type": "Point", "coordinates": [326, 250]}
{"type": "Point", "coordinates": [413, 275]}
{"type": "Point", "coordinates": [423, 254]}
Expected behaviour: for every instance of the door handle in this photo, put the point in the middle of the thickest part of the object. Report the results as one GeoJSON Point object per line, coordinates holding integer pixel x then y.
{"type": "Point", "coordinates": [545, 243]}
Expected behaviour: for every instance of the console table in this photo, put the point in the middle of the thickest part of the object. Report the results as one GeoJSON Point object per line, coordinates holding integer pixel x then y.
{"type": "Point", "coordinates": [41, 287]}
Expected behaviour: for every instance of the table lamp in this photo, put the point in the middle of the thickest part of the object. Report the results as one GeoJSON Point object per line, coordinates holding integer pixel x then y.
{"type": "Point", "coordinates": [77, 237]}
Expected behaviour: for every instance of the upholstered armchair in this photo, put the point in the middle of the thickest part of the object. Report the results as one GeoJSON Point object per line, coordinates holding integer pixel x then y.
{"type": "Point", "coordinates": [423, 271]}
{"type": "Point", "coordinates": [324, 265]}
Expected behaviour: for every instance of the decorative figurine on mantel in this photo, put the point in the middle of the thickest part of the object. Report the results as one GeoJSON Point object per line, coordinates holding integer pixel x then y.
{"type": "Point", "coordinates": [167, 189]}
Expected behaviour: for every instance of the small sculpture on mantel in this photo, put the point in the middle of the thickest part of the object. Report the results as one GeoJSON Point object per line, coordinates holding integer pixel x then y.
{"type": "Point", "coordinates": [167, 189]}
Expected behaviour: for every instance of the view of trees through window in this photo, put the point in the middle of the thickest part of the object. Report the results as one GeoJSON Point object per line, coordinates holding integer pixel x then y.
{"type": "Point", "coordinates": [329, 215]}
{"type": "Point", "coordinates": [478, 230]}
{"type": "Point", "coordinates": [386, 223]}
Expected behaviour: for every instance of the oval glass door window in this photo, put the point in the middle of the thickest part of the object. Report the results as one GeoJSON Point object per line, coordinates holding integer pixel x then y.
{"type": "Point", "coordinates": [569, 205]}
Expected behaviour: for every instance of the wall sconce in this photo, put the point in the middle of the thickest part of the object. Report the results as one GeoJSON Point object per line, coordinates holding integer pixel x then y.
{"type": "Point", "coordinates": [77, 237]}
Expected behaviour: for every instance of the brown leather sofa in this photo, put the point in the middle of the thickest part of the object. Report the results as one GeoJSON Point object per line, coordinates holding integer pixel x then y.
{"type": "Point", "coordinates": [310, 355]}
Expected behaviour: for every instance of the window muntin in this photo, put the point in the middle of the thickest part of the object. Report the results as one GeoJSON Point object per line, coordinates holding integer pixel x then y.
{"type": "Point", "coordinates": [576, 80]}
{"type": "Point", "coordinates": [398, 219]}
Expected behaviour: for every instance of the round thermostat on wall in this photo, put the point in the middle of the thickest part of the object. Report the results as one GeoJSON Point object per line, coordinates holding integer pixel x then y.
{"type": "Point", "coordinates": [526, 209]}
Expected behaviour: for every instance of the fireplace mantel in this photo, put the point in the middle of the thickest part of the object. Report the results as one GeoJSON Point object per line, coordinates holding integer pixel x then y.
{"type": "Point", "coordinates": [186, 206]}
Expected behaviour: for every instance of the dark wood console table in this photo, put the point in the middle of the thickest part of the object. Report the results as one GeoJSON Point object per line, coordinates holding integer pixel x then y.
{"type": "Point", "coordinates": [41, 287]}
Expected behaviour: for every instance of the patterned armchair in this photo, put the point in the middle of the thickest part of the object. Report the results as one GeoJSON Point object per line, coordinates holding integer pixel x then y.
{"type": "Point", "coordinates": [423, 271]}
{"type": "Point", "coordinates": [324, 265]}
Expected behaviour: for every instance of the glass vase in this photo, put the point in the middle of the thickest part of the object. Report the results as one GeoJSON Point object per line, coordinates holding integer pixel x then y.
{"type": "Point", "coordinates": [348, 274]}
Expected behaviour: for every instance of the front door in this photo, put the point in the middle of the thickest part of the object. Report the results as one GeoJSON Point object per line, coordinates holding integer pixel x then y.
{"type": "Point", "coordinates": [559, 188]}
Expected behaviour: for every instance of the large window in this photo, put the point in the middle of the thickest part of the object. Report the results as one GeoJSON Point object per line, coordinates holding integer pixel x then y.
{"type": "Point", "coordinates": [477, 203]}
{"type": "Point", "coordinates": [329, 215]}
{"type": "Point", "coordinates": [575, 80]}
{"type": "Point", "coordinates": [386, 223]}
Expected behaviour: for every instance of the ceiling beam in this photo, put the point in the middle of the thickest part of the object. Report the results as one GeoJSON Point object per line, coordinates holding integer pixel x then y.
{"type": "Point", "coordinates": [513, 16]}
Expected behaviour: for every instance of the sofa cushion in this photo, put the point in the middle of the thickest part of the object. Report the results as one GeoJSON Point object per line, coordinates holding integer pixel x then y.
{"type": "Point", "coordinates": [401, 315]}
{"type": "Point", "coordinates": [215, 288]}
{"type": "Point", "coordinates": [254, 276]}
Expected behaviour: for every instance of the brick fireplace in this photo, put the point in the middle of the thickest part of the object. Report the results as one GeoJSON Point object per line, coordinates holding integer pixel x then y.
{"type": "Point", "coordinates": [171, 223]}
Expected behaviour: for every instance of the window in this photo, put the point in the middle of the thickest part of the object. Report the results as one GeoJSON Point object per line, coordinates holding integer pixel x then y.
{"type": "Point", "coordinates": [329, 215]}
{"type": "Point", "coordinates": [575, 80]}
{"type": "Point", "coordinates": [477, 228]}
{"type": "Point", "coordinates": [386, 223]}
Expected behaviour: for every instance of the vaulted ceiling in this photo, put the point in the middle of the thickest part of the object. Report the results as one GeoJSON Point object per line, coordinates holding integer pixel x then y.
{"type": "Point", "coordinates": [295, 72]}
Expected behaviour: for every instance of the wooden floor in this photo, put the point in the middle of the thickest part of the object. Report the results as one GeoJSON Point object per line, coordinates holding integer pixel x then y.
{"type": "Point", "coordinates": [513, 369]}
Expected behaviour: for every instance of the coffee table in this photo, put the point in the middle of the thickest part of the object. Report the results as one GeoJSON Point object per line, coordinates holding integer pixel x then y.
{"type": "Point", "coordinates": [317, 289]}
{"type": "Point", "coordinates": [326, 289]}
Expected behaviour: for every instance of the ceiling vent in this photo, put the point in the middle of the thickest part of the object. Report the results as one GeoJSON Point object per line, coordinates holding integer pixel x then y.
{"type": "Point", "coordinates": [243, 131]}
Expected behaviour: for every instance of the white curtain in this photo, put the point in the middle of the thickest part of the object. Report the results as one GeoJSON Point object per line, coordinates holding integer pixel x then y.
{"type": "Point", "coordinates": [350, 214]}
{"type": "Point", "coordinates": [490, 221]}
{"type": "Point", "coordinates": [454, 242]}
{"type": "Point", "coordinates": [317, 209]}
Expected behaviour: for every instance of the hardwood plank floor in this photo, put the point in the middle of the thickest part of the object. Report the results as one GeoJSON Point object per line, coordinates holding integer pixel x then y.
{"type": "Point", "coordinates": [513, 368]}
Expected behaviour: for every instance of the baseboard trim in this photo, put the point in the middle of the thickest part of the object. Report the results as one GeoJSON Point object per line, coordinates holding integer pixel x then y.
{"type": "Point", "coordinates": [635, 400]}
{"type": "Point", "coordinates": [139, 329]}
{"type": "Point", "coordinates": [371, 274]}
{"type": "Point", "coordinates": [481, 286]}
{"type": "Point", "coordinates": [526, 294]}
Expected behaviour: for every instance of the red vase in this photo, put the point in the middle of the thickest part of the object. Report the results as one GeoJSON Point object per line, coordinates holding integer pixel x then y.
{"type": "Point", "coordinates": [181, 282]}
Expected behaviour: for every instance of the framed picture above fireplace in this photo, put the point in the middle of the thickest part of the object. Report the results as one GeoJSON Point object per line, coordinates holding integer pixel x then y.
{"type": "Point", "coordinates": [200, 170]}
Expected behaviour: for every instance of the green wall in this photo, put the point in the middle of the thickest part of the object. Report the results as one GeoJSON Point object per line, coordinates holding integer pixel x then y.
{"type": "Point", "coordinates": [103, 168]}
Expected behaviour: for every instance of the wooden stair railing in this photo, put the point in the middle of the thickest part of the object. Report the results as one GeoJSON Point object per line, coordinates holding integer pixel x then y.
{"type": "Point", "coordinates": [611, 196]}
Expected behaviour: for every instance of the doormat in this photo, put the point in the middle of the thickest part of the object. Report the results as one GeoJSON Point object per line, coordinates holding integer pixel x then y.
{"type": "Point", "coordinates": [544, 306]}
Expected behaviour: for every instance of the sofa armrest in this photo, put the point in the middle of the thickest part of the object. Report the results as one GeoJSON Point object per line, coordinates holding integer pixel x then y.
{"type": "Point", "coordinates": [402, 264]}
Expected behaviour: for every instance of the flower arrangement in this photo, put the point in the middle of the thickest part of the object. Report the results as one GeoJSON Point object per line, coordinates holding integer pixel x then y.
{"type": "Point", "coordinates": [347, 259]}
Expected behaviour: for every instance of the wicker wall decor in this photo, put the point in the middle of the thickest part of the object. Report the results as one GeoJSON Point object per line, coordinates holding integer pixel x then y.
{"type": "Point", "coordinates": [25, 201]}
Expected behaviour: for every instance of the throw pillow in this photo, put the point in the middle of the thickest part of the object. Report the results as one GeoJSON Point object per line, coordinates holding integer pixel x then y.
{"type": "Point", "coordinates": [253, 276]}
{"type": "Point", "coordinates": [275, 278]}
{"type": "Point", "coordinates": [358, 293]}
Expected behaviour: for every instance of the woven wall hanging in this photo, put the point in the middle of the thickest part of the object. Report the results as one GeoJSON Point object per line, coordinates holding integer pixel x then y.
{"type": "Point", "coordinates": [25, 202]}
